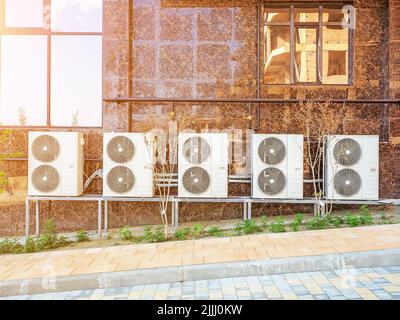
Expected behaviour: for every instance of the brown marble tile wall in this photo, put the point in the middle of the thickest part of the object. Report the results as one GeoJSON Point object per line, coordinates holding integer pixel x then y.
{"type": "Point", "coordinates": [208, 49]}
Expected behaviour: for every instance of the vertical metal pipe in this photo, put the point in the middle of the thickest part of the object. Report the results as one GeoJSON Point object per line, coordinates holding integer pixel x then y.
{"type": "Point", "coordinates": [37, 217]}
{"type": "Point", "coordinates": [99, 212]}
{"type": "Point", "coordinates": [27, 203]}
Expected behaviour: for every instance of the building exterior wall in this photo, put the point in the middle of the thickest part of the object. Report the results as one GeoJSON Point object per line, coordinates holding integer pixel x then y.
{"type": "Point", "coordinates": [208, 49]}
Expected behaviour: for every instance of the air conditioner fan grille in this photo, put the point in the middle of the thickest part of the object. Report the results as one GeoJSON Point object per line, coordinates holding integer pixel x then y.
{"type": "Point", "coordinates": [120, 149]}
{"type": "Point", "coordinates": [347, 182]}
{"type": "Point", "coordinates": [45, 178]}
{"type": "Point", "coordinates": [45, 148]}
{"type": "Point", "coordinates": [271, 181]}
{"type": "Point", "coordinates": [271, 151]}
{"type": "Point", "coordinates": [120, 179]}
{"type": "Point", "coordinates": [196, 180]}
{"type": "Point", "coordinates": [347, 152]}
{"type": "Point", "coordinates": [196, 150]}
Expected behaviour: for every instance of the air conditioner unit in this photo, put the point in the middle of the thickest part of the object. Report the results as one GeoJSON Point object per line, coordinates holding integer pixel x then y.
{"type": "Point", "coordinates": [203, 165]}
{"type": "Point", "coordinates": [128, 161]}
{"type": "Point", "coordinates": [55, 163]}
{"type": "Point", "coordinates": [277, 166]}
{"type": "Point", "coordinates": [352, 167]}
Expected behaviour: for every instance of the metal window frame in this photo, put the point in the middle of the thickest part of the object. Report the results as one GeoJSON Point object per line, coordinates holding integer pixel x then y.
{"type": "Point", "coordinates": [46, 31]}
{"type": "Point", "coordinates": [319, 25]}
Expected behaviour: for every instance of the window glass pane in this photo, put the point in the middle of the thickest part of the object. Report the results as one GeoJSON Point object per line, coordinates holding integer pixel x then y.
{"type": "Point", "coordinates": [277, 54]}
{"type": "Point", "coordinates": [76, 15]}
{"type": "Point", "coordinates": [24, 13]}
{"type": "Point", "coordinates": [23, 81]}
{"type": "Point", "coordinates": [306, 14]}
{"type": "Point", "coordinates": [76, 81]}
{"type": "Point", "coordinates": [277, 15]}
{"type": "Point", "coordinates": [335, 55]}
{"type": "Point", "coordinates": [334, 15]}
{"type": "Point", "coordinates": [306, 55]}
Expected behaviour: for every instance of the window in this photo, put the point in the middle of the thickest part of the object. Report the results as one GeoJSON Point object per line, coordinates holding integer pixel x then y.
{"type": "Point", "coordinates": [51, 63]}
{"type": "Point", "coordinates": [307, 45]}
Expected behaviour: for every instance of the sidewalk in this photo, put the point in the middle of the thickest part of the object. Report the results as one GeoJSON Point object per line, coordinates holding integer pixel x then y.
{"type": "Point", "coordinates": [198, 252]}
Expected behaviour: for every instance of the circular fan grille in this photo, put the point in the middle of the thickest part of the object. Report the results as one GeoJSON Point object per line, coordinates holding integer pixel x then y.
{"type": "Point", "coordinates": [271, 181]}
{"type": "Point", "coordinates": [196, 150]}
{"type": "Point", "coordinates": [45, 178]}
{"type": "Point", "coordinates": [347, 152]}
{"type": "Point", "coordinates": [45, 148]}
{"type": "Point", "coordinates": [120, 179]}
{"type": "Point", "coordinates": [120, 149]}
{"type": "Point", "coordinates": [347, 182]}
{"type": "Point", "coordinates": [196, 180]}
{"type": "Point", "coordinates": [271, 151]}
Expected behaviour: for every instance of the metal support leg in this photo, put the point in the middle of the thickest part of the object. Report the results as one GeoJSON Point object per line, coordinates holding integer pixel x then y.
{"type": "Point", "coordinates": [27, 203]}
{"type": "Point", "coordinates": [176, 219]}
{"type": "Point", "coordinates": [172, 214]}
{"type": "Point", "coordinates": [249, 210]}
{"type": "Point", "coordinates": [105, 216]}
{"type": "Point", "coordinates": [37, 209]}
{"type": "Point", "coordinates": [244, 210]}
{"type": "Point", "coordinates": [99, 212]}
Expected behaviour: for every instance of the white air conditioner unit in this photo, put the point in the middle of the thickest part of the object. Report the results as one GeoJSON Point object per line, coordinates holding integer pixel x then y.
{"type": "Point", "coordinates": [203, 165]}
{"type": "Point", "coordinates": [352, 167]}
{"type": "Point", "coordinates": [277, 166]}
{"type": "Point", "coordinates": [55, 163]}
{"type": "Point", "coordinates": [128, 162]}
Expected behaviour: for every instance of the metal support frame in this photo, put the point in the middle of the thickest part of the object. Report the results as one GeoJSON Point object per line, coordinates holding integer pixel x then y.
{"type": "Point", "coordinates": [174, 209]}
{"type": "Point", "coordinates": [246, 201]}
{"type": "Point", "coordinates": [37, 199]}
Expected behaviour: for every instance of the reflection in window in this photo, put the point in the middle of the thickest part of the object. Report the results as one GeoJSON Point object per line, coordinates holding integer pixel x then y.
{"type": "Point", "coordinates": [334, 15]}
{"type": "Point", "coordinates": [24, 13]}
{"type": "Point", "coordinates": [76, 69]}
{"type": "Point", "coordinates": [23, 81]}
{"type": "Point", "coordinates": [277, 54]}
{"type": "Point", "coordinates": [306, 55]}
{"type": "Point", "coordinates": [299, 48]}
{"type": "Point", "coordinates": [335, 55]}
{"type": "Point", "coordinates": [306, 15]}
{"type": "Point", "coordinates": [277, 15]}
{"type": "Point", "coordinates": [76, 15]}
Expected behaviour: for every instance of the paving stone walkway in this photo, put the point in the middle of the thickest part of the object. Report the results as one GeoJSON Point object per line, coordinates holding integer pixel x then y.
{"type": "Point", "coordinates": [198, 252]}
{"type": "Point", "coordinates": [380, 283]}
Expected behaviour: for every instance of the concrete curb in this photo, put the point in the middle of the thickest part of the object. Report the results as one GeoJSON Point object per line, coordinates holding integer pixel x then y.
{"type": "Point", "coordinates": [343, 261]}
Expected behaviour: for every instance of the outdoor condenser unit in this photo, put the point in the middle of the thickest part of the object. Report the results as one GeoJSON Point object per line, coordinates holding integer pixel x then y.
{"type": "Point", "coordinates": [55, 163]}
{"type": "Point", "coordinates": [203, 165]}
{"type": "Point", "coordinates": [352, 167]}
{"type": "Point", "coordinates": [128, 162]}
{"type": "Point", "coordinates": [277, 166]}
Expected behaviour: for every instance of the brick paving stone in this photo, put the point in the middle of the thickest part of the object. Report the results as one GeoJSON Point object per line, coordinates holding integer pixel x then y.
{"type": "Point", "coordinates": [263, 287]}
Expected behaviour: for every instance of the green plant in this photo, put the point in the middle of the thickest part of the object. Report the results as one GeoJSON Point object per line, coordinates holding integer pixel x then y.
{"type": "Point", "coordinates": [197, 230]}
{"type": "Point", "coordinates": [315, 224]}
{"type": "Point", "coordinates": [297, 221]}
{"type": "Point", "coordinates": [365, 216]}
{"type": "Point", "coordinates": [278, 225]}
{"type": "Point", "coordinates": [10, 246]}
{"type": "Point", "coordinates": [215, 232]}
{"type": "Point", "coordinates": [238, 229]}
{"type": "Point", "coordinates": [334, 221]}
{"type": "Point", "coordinates": [125, 233]}
{"type": "Point", "coordinates": [49, 239]}
{"type": "Point", "coordinates": [159, 234]}
{"type": "Point", "coordinates": [30, 245]}
{"type": "Point", "coordinates": [82, 236]}
{"type": "Point", "coordinates": [250, 226]}
{"type": "Point", "coordinates": [264, 222]}
{"type": "Point", "coordinates": [182, 234]}
{"type": "Point", "coordinates": [352, 220]}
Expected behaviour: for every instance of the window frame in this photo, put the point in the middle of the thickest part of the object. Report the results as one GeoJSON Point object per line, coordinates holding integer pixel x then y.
{"type": "Point", "coordinates": [46, 31]}
{"type": "Point", "coordinates": [318, 25]}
